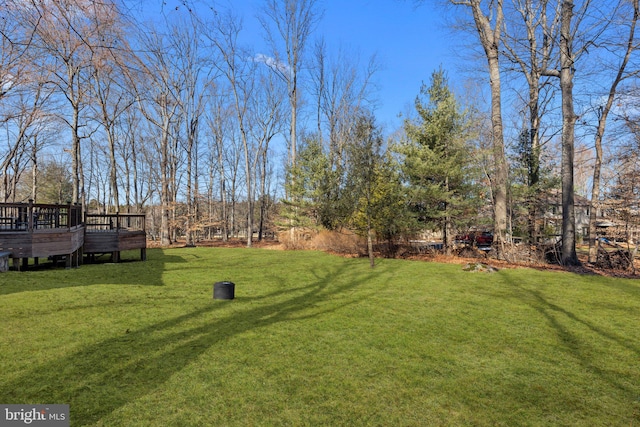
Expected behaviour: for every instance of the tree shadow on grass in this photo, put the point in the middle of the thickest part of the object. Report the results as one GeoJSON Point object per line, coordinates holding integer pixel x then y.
{"type": "Point", "coordinates": [573, 345]}
{"type": "Point", "coordinates": [105, 376]}
{"type": "Point", "coordinates": [146, 273]}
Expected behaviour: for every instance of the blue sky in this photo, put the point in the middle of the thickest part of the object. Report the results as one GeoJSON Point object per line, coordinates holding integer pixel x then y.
{"type": "Point", "coordinates": [409, 42]}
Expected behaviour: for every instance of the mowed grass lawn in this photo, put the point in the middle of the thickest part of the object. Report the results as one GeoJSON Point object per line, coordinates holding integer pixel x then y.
{"type": "Point", "coordinates": [314, 339]}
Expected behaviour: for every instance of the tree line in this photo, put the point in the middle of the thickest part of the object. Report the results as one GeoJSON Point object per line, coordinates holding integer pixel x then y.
{"type": "Point", "coordinates": [551, 44]}
{"type": "Point", "coordinates": [179, 117]}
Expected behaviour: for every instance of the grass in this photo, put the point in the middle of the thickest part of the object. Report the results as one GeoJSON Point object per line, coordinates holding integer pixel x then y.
{"type": "Point", "coordinates": [314, 339]}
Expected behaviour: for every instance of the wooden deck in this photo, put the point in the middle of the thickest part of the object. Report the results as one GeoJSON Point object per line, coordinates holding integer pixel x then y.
{"type": "Point", "coordinates": [112, 233]}
{"type": "Point", "coordinates": [29, 230]}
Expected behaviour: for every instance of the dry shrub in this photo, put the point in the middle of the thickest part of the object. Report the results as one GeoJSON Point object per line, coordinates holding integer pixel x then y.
{"type": "Point", "coordinates": [400, 250]}
{"type": "Point", "coordinates": [343, 242]}
{"type": "Point", "coordinates": [298, 238]}
{"type": "Point", "coordinates": [522, 253]}
{"type": "Point", "coordinates": [528, 254]}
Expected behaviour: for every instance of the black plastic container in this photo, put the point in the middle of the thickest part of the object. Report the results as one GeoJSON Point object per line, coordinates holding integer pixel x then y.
{"type": "Point", "coordinates": [224, 290]}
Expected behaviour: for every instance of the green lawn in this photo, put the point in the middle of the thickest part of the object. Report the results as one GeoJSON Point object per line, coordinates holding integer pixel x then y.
{"type": "Point", "coordinates": [314, 339]}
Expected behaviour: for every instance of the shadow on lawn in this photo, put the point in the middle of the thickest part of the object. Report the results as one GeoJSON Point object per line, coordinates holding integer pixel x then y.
{"type": "Point", "coordinates": [130, 271]}
{"type": "Point", "coordinates": [105, 376]}
{"type": "Point", "coordinates": [557, 316]}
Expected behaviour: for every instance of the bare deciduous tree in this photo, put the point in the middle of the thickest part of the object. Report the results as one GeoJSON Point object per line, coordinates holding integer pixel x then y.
{"type": "Point", "coordinates": [65, 36]}
{"type": "Point", "coordinates": [489, 25]}
{"type": "Point", "coordinates": [288, 25]}
{"type": "Point", "coordinates": [196, 72]}
{"type": "Point", "coordinates": [531, 50]}
{"type": "Point", "coordinates": [157, 93]}
{"type": "Point", "coordinates": [240, 75]}
{"type": "Point", "coordinates": [267, 118]}
{"type": "Point", "coordinates": [343, 90]}
{"type": "Point", "coordinates": [603, 114]}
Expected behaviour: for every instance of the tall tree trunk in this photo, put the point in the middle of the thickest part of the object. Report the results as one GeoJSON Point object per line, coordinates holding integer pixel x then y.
{"type": "Point", "coordinates": [196, 192]}
{"type": "Point", "coordinates": [263, 196]}
{"type": "Point", "coordinates": [247, 170]}
{"type": "Point", "coordinates": [490, 40]}
{"type": "Point", "coordinates": [127, 182]}
{"type": "Point", "coordinates": [568, 249]}
{"type": "Point", "coordinates": [75, 155]}
{"type": "Point", "coordinates": [501, 172]}
{"type": "Point", "coordinates": [136, 193]}
{"type": "Point", "coordinates": [34, 170]}
{"type": "Point", "coordinates": [189, 221]}
{"type": "Point", "coordinates": [372, 259]}
{"type": "Point", "coordinates": [602, 120]}
{"type": "Point", "coordinates": [532, 55]}
{"type": "Point", "coordinates": [446, 228]}
{"type": "Point", "coordinates": [294, 119]}
{"type": "Point", "coordinates": [595, 197]}
{"type": "Point", "coordinates": [83, 194]}
{"type": "Point", "coordinates": [225, 215]}
{"type": "Point", "coordinates": [534, 161]}
{"type": "Point", "coordinates": [165, 237]}
{"type": "Point", "coordinates": [223, 201]}
{"type": "Point", "coordinates": [113, 171]}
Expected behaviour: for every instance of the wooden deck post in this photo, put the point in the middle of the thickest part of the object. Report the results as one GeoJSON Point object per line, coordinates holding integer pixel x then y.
{"type": "Point", "coordinates": [30, 216]}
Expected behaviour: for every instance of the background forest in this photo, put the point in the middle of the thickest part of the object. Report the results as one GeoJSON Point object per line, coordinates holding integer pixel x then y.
{"type": "Point", "coordinates": [162, 108]}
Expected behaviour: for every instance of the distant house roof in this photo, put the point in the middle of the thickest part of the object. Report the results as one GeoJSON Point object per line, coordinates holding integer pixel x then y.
{"type": "Point", "coordinates": [554, 197]}
{"type": "Point", "coordinates": [605, 224]}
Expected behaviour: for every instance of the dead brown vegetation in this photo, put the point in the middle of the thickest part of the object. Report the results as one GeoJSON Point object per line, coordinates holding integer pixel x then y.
{"type": "Point", "coordinates": [615, 260]}
{"type": "Point", "coordinates": [344, 243]}
{"type": "Point", "coordinates": [347, 244]}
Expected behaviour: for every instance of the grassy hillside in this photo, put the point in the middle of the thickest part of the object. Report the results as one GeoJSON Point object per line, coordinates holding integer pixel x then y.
{"type": "Point", "coordinates": [314, 339]}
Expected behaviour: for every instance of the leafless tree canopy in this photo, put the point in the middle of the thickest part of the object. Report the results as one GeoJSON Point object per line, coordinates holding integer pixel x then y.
{"type": "Point", "coordinates": [178, 117]}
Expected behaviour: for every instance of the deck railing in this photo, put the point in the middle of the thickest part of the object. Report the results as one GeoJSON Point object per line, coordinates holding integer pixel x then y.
{"type": "Point", "coordinates": [114, 222]}
{"type": "Point", "coordinates": [38, 216]}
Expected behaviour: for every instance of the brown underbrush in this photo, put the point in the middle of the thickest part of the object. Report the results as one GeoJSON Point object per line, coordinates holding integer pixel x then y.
{"type": "Point", "coordinates": [345, 243]}
{"type": "Point", "coordinates": [349, 244]}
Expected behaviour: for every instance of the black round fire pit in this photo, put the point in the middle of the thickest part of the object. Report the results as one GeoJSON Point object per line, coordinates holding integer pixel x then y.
{"type": "Point", "coordinates": [224, 290]}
